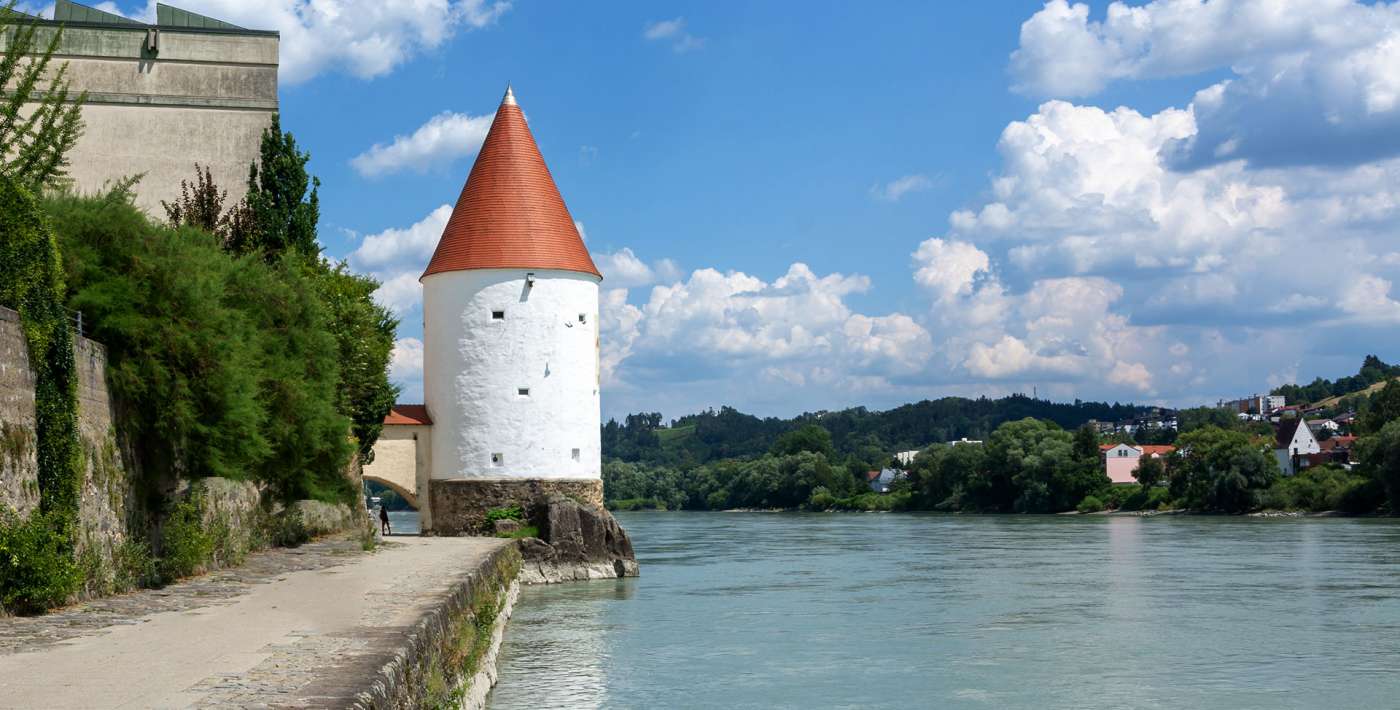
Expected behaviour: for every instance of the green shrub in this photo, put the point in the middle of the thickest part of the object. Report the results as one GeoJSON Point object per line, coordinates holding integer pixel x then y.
{"type": "Point", "coordinates": [134, 566]}
{"type": "Point", "coordinates": [868, 502]}
{"type": "Point", "coordinates": [1116, 496]}
{"type": "Point", "coordinates": [368, 534]}
{"type": "Point", "coordinates": [37, 569]}
{"type": "Point", "coordinates": [186, 547]}
{"type": "Point", "coordinates": [637, 504]}
{"type": "Point", "coordinates": [230, 366]}
{"type": "Point", "coordinates": [32, 282]}
{"type": "Point", "coordinates": [821, 499]}
{"type": "Point", "coordinates": [514, 512]}
{"type": "Point", "coordinates": [1321, 488]}
{"type": "Point", "coordinates": [289, 528]}
{"type": "Point", "coordinates": [1090, 504]}
{"type": "Point", "coordinates": [1145, 498]}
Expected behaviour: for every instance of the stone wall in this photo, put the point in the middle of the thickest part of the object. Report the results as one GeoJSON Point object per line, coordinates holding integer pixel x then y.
{"type": "Point", "coordinates": [448, 658]}
{"type": "Point", "coordinates": [19, 482]}
{"type": "Point", "coordinates": [459, 507]}
{"type": "Point", "coordinates": [108, 507]}
{"type": "Point", "coordinates": [110, 512]}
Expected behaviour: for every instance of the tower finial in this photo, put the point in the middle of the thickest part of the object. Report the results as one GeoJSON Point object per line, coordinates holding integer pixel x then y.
{"type": "Point", "coordinates": [509, 99]}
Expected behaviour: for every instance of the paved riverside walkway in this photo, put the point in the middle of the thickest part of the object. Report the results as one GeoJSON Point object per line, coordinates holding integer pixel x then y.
{"type": "Point", "coordinates": [287, 625]}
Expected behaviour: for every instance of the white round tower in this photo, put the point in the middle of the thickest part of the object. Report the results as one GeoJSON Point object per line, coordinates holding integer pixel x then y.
{"type": "Point", "coordinates": [510, 334]}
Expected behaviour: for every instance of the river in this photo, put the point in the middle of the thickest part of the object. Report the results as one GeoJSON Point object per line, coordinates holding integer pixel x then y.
{"type": "Point", "coordinates": [758, 610]}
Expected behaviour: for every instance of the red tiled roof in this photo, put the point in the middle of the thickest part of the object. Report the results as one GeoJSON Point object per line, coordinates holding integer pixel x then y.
{"type": "Point", "coordinates": [510, 214]}
{"type": "Point", "coordinates": [408, 414]}
{"type": "Point", "coordinates": [1336, 442]}
{"type": "Point", "coordinates": [1157, 449]}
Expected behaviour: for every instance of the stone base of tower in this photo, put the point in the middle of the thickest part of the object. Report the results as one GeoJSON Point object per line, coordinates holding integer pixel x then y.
{"type": "Point", "coordinates": [579, 539]}
{"type": "Point", "coordinates": [460, 506]}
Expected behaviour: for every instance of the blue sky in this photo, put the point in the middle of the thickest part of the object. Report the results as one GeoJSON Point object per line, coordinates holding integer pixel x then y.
{"type": "Point", "coordinates": [835, 204]}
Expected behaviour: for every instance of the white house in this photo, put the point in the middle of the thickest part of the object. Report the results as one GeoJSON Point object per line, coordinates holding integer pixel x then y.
{"type": "Point", "coordinates": [1294, 441]}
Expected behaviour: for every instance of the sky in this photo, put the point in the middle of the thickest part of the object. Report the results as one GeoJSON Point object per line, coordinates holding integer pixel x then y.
{"type": "Point", "coordinates": [832, 204]}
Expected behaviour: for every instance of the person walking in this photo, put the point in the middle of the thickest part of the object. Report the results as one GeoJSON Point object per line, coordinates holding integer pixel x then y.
{"type": "Point", "coordinates": [383, 519]}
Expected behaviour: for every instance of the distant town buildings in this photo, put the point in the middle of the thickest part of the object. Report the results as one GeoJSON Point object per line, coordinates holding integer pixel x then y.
{"type": "Point", "coordinates": [1259, 405]}
{"type": "Point", "coordinates": [1153, 419]}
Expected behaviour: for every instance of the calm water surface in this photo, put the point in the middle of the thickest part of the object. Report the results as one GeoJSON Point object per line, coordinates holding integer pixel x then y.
{"type": "Point", "coordinates": [753, 610]}
{"type": "Point", "coordinates": [402, 522]}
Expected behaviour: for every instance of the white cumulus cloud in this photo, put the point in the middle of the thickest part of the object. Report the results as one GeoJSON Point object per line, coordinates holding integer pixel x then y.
{"type": "Point", "coordinates": [445, 138]}
{"type": "Point", "coordinates": [398, 256]}
{"type": "Point", "coordinates": [1332, 67]}
{"type": "Point", "coordinates": [365, 38]}
{"type": "Point", "coordinates": [893, 190]}
{"type": "Point", "coordinates": [674, 32]}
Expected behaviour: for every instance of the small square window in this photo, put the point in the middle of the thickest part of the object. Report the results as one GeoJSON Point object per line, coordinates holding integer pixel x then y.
{"type": "Point", "coordinates": [498, 315]}
{"type": "Point", "coordinates": [583, 317]}
{"type": "Point", "coordinates": [575, 454]}
{"type": "Point", "coordinates": [523, 391]}
{"type": "Point", "coordinates": [498, 459]}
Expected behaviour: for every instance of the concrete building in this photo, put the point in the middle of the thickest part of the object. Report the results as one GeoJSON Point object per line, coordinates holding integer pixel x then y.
{"type": "Point", "coordinates": [162, 97]}
{"type": "Point", "coordinates": [510, 337]}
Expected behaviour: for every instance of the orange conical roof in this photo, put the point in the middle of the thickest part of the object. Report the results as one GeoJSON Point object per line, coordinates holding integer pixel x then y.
{"type": "Point", "coordinates": [510, 214]}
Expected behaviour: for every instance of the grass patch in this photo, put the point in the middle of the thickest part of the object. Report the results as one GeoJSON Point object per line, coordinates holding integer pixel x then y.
{"type": "Point", "coordinates": [524, 531]}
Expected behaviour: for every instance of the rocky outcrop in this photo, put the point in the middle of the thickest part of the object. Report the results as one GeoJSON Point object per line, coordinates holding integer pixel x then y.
{"type": "Point", "coordinates": [576, 542]}
{"type": "Point", "coordinates": [460, 507]}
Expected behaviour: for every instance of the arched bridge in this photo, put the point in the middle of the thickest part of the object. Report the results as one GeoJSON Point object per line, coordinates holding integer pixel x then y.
{"type": "Point", "coordinates": [401, 455]}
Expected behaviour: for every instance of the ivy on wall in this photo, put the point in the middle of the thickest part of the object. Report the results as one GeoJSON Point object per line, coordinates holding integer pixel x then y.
{"type": "Point", "coordinates": [37, 567]}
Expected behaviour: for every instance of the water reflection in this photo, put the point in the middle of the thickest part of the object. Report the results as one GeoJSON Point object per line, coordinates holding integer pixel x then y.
{"type": "Point", "coordinates": [565, 663]}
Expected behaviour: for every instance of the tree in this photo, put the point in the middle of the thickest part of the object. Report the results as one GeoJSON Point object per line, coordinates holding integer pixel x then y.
{"type": "Point", "coordinates": [1384, 408]}
{"type": "Point", "coordinates": [1150, 471]}
{"type": "Point", "coordinates": [364, 333]}
{"type": "Point", "coordinates": [201, 205]}
{"type": "Point", "coordinates": [34, 147]}
{"type": "Point", "coordinates": [1201, 417]}
{"type": "Point", "coordinates": [1086, 444]}
{"type": "Point", "coordinates": [810, 437]}
{"type": "Point", "coordinates": [283, 213]}
{"type": "Point", "coordinates": [1221, 470]}
{"type": "Point", "coordinates": [941, 474]}
{"type": "Point", "coordinates": [1380, 454]}
{"type": "Point", "coordinates": [1039, 460]}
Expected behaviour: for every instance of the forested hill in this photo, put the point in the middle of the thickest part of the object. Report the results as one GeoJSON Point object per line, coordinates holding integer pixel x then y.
{"type": "Point", "coordinates": [1374, 371]}
{"type": "Point", "coordinates": [866, 435]}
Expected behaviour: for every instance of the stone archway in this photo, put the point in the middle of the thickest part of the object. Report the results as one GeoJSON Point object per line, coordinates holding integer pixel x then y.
{"type": "Point", "coordinates": [409, 494]}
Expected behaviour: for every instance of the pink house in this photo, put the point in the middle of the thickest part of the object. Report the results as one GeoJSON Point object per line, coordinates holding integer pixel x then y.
{"type": "Point", "coordinates": [1121, 460]}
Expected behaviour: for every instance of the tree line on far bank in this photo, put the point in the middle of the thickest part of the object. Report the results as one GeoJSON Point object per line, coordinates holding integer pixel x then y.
{"type": "Point", "coordinates": [859, 436]}
{"type": "Point", "coordinates": [1033, 466]}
